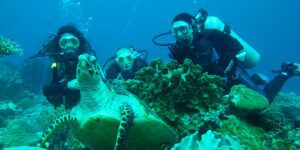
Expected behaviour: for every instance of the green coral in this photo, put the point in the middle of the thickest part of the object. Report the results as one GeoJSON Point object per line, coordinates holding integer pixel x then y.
{"type": "Point", "coordinates": [249, 136]}
{"type": "Point", "coordinates": [248, 99]}
{"type": "Point", "coordinates": [180, 93]}
{"type": "Point", "coordinates": [8, 47]}
{"type": "Point", "coordinates": [188, 99]}
{"type": "Point", "coordinates": [280, 122]}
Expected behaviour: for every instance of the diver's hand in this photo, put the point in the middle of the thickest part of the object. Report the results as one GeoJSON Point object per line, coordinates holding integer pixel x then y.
{"type": "Point", "coordinates": [297, 69]}
{"type": "Point", "coordinates": [73, 85]}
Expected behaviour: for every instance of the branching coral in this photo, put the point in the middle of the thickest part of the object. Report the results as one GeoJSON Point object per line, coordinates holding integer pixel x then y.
{"type": "Point", "coordinates": [190, 100]}
{"type": "Point", "coordinates": [180, 93]}
{"type": "Point", "coordinates": [8, 47]}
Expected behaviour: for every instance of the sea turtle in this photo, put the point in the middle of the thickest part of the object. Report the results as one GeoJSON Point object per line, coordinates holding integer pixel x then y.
{"type": "Point", "coordinates": [106, 118]}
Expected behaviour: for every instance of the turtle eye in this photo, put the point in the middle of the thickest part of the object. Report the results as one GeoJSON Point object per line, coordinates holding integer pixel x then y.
{"type": "Point", "coordinates": [91, 72]}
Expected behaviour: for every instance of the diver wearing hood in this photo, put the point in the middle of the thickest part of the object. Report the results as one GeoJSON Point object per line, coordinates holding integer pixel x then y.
{"type": "Point", "coordinates": [63, 50]}
{"type": "Point", "coordinates": [219, 53]}
{"type": "Point", "coordinates": [125, 63]}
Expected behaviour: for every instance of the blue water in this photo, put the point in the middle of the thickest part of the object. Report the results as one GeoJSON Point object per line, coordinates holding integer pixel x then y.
{"type": "Point", "coordinates": [270, 26]}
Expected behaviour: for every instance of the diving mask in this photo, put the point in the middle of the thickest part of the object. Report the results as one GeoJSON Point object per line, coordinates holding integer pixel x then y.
{"type": "Point", "coordinates": [125, 61]}
{"type": "Point", "coordinates": [182, 29]}
{"type": "Point", "coordinates": [69, 41]}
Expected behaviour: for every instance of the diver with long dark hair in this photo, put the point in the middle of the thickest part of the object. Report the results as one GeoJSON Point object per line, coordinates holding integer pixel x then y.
{"type": "Point", "coordinates": [63, 50]}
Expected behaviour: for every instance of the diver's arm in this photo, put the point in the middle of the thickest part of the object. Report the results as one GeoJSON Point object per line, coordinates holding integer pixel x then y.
{"type": "Point", "coordinates": [55, 89]}
{"type": "Point", "coordinates": [250, 56]}
{"type": "Point", "coordinates": [58, 86]}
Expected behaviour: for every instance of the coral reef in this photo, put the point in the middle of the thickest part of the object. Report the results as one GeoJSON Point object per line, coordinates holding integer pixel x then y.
{"type": "Point", "coordinates": [24, 126]}
{"type": "Point", "coordinates": [280, 122]}
{"type": "Point", "coordinates": [247, 99]}
{"type": "Point", "coordinates": [7, 110]}
{"type": "Point", "coordinates": [186, 98]}
{"type": "Point", "coordinates": [289, 105]}
{"type": "Point", "coordinates": [190, 100]}
{"type": "Point", "coordinates": [208, 141]}
{"type": "Point", "coordinates": [10, 81]}
{"type": "Point", "coordinates": [180, 93]}
{"type": "Point", "coordinates": [35, 74]}
{"type": "Point", "coordinates": [269, 129]}
{"type": "Point", "coordinates": [8, 47]}
{"type": "Point", "coordinates": [12, 84]}
{"type": "Point", "coordinates": [19, 132]}
{"type": "Point", "coordinates": [249, 136]}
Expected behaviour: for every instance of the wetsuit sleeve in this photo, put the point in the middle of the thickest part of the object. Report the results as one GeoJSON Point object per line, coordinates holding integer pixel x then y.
{"type": "Point", "coordinates": [225, 45]}
{"type": "Point", "coordinates": [56, 87]}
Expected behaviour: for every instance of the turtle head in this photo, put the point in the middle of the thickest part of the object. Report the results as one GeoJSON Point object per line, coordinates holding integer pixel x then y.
{"type": "Point", "coordinates": [88, 71]}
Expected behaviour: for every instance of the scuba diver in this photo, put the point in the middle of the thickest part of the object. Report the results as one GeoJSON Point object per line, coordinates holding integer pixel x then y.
{"type": "Point", "coordinates": [212, 44]}
{"type": "Point", "coordinates": [63, 50]}
{"type": "Point", "coordinates": [125, 63]}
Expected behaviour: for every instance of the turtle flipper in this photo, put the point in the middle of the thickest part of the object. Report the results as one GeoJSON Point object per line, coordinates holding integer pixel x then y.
{"type": "Point", "coordinates": [58, 124]}
{"type": "Point", "coordinates": [127, 117]}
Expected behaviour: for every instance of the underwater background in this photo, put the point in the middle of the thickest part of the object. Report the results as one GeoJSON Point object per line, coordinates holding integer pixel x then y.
{"type": "Point", "coordinates": [269, 26]}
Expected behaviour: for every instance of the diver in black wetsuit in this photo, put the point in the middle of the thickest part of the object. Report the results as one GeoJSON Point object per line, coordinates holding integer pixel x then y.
{"type": "Point", "coordinates": [125, 63]}
{"type": "Point", "coordinates": [63, 50]}
{"type": "Point", "coordinates": [219, 53]}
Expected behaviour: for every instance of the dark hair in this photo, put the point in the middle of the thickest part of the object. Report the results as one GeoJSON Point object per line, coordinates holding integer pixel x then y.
{"type": "Point", "coordinates": [185, 17]}
{"type": "Point", "coordinates": [52, 44]}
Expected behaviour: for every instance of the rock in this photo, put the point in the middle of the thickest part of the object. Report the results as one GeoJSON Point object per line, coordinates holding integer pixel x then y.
{"type": "Point", "coordinates": [7, 108]}
{"type": "Point", "coordinates": [2, 122]}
